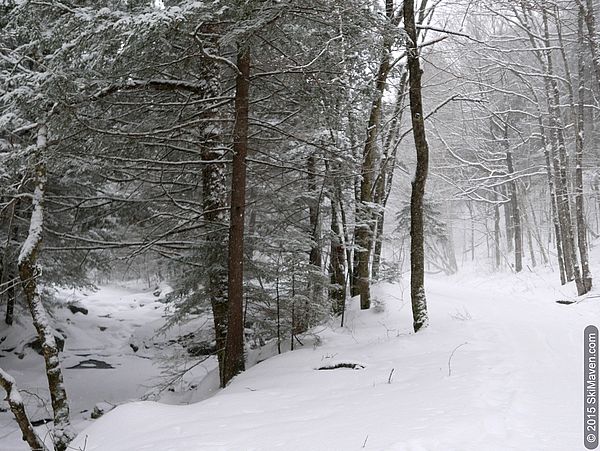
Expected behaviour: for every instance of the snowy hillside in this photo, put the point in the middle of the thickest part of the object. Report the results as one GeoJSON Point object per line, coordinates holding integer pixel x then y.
{"type": "Point", "coordinates": [500, 368]}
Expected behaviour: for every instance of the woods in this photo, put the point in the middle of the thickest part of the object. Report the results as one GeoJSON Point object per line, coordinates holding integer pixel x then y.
{"type": "Point", "coordinates": [270, 160]}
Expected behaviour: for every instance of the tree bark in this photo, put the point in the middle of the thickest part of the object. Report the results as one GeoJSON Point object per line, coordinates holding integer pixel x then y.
{"type": "Point", "coordinates": [553, 202]}
{"type": "Point", "coordinates": [234, 349]}
{"type": "Point", "coordinates": [514, 205]}
{"type": "Point", "coordinates": [417, 252]}
{"type": "Point", "coordinates": [587, 11]}
{"type": "Point", "coordinates": [215, 274]}
{"type": "Point", "coordinates": [561, 167]}
{"type": "Point", "coordinates": [8, 269]}
{"type": "Point", "coordinates": [497, 255]}
{"type": "Point", "coordinates": [336, 263]}
{"type": "Point", "coordinates": [15, 402]}
{"type": "Point", "coordinates": [586, 275]}
{"type": "Point", "coordinates": [315, 257]}
{"type": "Point", "coordinates": [364, 223]}
{"type": "Point", "coordinates": [29, 271]}
{"type": "Point", "coordinates": [214, 209]}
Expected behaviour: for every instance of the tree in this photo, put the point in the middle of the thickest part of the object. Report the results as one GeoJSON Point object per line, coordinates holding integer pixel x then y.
{"type": "Point", "coordinates": [234, 348]}
{"type": "Point", "coordinates": [417, 239]}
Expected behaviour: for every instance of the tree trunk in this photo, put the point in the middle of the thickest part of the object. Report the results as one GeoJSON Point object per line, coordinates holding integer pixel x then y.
{"type": "Point", "coordinates": [315, 257]}
{"type": "Point", "coordinates": [315, 285]}
{"type": "Point", "coordinates": [365, 220]}
{"type": "Point", "coordinates": [364, 223]}
{"type": "Point", "coordinates": [497, 232]}
{"type": "Point", "coordinates": [15, 403]}
{"type": "Point", "coordinates": [514, 205]}
{"type": "Point", "coordinates": [579, 148]}
{"type": "Point", "coordinates": [587, 11]}
{"type": "Point", "coordinates": [508, 223]}
{"type": "Point", "coordinates": [561, 167]}
{"type": "Point", "coordinates": [8, 275]}
{"type": "Point", "coordinates": [234, 348]}
{"type": "Point", "coordinates": [29, 271]}
{"type": "Point", "coordinates": [214, 207]}
{"type": "Point", "coordinates": [215, 275]}
{"type": "Point", "coordinates": [336, 263]}
{"type": "Point", "coordinates": [553, 202]}
{"type": "Point", "coordinates": [417, 252]}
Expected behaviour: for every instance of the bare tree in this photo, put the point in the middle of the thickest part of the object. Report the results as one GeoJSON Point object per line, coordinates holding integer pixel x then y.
{"type": "Point", "coordinates": [417, 252]}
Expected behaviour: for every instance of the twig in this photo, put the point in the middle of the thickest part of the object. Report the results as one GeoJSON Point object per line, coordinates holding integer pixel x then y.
{"type": "Point", "coordinates": [390, 378]}
{"type": "Point", "coordinates": [451, 355]}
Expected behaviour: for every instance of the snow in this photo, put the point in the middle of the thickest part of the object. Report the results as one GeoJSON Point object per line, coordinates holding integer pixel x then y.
{"type": "Point", "coordinates": [499, 368]}
{"type": "Point", "coordinates": [36, 223]}
{"type": "Point", "coordinates": [14, 395]}
{"type": "Point", "coordinates": [117, 316]}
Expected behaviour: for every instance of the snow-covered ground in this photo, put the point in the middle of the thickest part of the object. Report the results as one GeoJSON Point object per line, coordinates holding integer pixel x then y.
{"type": "Point", "coordinates": [99, 364]}
{"type": "Point", "coordinates": [499, 368]}
{"type": "Point", "coordinates": [514, 381]}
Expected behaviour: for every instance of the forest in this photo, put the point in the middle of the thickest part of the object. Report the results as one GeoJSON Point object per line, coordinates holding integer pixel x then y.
{"type": "Point", "coordinates": [258, 176]}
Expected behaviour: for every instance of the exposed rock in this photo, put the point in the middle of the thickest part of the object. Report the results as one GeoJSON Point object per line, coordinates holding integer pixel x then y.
{"type": "Point", "coordinates": [100, 409]}
{"type": "Point", "coordinates": [77, 308]}
{"type": "Point", "coordinates": [91, 364]}
{"type": "Point", "coordinates": [41, 421]}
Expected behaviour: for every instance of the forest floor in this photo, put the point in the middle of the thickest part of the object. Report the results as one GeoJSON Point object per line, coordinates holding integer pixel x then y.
{"type": "Point", "coordinates": [499, 368]}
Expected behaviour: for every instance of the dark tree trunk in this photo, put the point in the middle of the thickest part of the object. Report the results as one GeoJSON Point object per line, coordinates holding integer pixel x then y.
{"type": "Point", "coordinates": [508, 222]}
{"type": "Point", "coordinates": [514, 205]}
{"type": "Point", "coordinates": [234, 348]}
{"type": "Point", "coordinates": [315, 257]}
{"type": "Point", "coordinates": [315, 285]}
{"type": "Point", "coordinates": [587, 11]}
{"type": "Point", "coordinates": [8, 274]}
{"type": "Point", "coordinates": [417, 252]}
{"type": "Point", "coordinates": [497, 232]}
{"type": "Point", "coordinates": [10, 301]}
{"type": "Point", "coordinates": [378, 243]}
{"type": "Point", "coordinates": [336, 263]}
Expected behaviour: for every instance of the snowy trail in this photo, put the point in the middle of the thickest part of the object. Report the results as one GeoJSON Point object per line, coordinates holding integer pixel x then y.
{"type": "Point", "coordinates": [515, 382]}
{"type": "Point", "coordinates": [533, 350]}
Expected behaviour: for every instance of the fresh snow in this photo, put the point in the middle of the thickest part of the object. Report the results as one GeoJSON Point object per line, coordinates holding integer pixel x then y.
{"type": "Point", "coordinates": [499, 368]}
{"type": "Point", "coordinates": [117, 316]}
